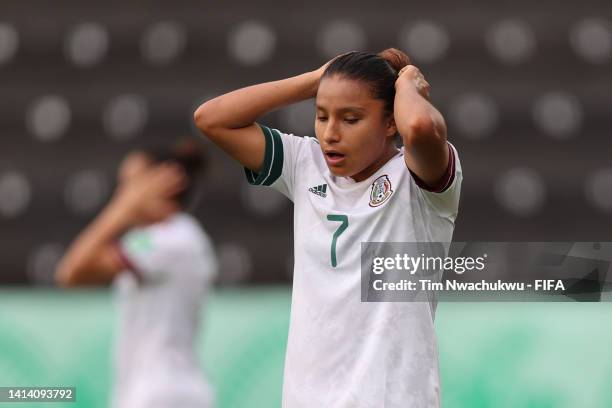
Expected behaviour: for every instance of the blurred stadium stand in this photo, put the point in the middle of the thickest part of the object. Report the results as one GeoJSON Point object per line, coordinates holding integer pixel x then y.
{"type": "Point", "coordinates": [525, 89]}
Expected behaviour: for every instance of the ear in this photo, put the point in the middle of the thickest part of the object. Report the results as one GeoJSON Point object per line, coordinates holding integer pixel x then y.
{"type": "Point", "coordinates": [391, 126]}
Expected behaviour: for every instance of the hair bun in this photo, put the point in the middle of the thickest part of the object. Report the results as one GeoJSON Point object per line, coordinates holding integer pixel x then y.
{"type": "Point", "coordinates": [396, 58]}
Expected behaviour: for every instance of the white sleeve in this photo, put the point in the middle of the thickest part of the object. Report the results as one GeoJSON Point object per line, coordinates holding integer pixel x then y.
{"type": "Point", "coordinates": [445, 199]}
{"type": "Point", "coordinates": [167, 251]}
{"type": "Point", "coordinates": [144, 254]}
{"type": "Point", "coordinates": [281, 156]}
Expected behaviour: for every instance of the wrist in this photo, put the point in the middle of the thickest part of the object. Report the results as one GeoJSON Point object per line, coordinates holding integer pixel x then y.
{"type": "Point", "coordinates": [312, 80]}
{"type": "Point", "coordinates": [413, 87]}
{"type": "Point", "coordinates": [119, 212]}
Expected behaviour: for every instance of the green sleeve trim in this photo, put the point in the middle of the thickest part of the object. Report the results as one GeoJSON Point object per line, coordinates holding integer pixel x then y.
{"type": "Point", "coordinates": [272, 166]}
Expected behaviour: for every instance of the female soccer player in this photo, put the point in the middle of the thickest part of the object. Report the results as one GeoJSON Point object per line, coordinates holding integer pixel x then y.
{"type": "Point", "coordinates": [161, 263]}
{"type": "Point", "coordinates": [350, 185]}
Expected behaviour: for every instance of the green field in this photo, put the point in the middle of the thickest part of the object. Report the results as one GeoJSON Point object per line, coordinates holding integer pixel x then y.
{"type": "Point", "coordinates": [491, 354]}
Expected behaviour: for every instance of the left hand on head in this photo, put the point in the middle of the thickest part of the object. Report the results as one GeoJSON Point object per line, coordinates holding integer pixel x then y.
{"type": "Point", "coordinates": [413, 74]}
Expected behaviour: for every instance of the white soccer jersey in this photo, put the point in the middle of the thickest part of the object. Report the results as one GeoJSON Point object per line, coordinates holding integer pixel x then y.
{"type": "Point", "coordinates": [341, 352]}
{"type": "Point", "coordinates": [159, 301]}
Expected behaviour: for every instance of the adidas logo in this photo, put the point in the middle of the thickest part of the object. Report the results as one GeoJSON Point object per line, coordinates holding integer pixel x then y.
{"type": "Point", "coordinates": [319, 190]}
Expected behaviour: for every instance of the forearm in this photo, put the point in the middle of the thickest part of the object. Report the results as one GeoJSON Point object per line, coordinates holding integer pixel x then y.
{"type": "Point", "coordinates": [81, 257]}
{"type": "Point", "coordinates": [422, 129]}
{"type": "Point", "coordinates": [415, 117]}
{"type": "Point", "coordinates": [244, 106]}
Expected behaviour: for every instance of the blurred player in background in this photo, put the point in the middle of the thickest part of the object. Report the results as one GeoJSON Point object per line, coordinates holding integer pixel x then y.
{"type": "Point", "coordinates": [350, 185]}
{"type": "Point", "coordinates": [161, 263]}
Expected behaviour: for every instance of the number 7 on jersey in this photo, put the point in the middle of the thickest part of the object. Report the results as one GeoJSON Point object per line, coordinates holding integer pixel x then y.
{"type": "Point", "coordinates": [344, 220]}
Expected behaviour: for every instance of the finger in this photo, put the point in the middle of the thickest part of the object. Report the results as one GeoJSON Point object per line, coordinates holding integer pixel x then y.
{"type": "Point", "coordinates": [327, 64]}
{"type": "Point", "coordinates": [169, 173]}
{"type": "Point", "coordinates": [164, 182]}
{"type": "Point", "coordinates": [409, 71]}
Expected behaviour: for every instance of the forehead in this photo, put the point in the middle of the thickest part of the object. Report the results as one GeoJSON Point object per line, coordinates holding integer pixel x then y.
{"type": "Point", "coordinates": [339, 92]}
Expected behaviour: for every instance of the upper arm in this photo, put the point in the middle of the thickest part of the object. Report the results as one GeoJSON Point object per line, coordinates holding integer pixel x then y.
{"type": "Point", "coordinates": [445, 199]}
{"type": "Point", "coordinates": [282, 155]}
{"type": "Point", "coordinates": [245, 144]}
{"type": "Point", "coordinates": [426, 150]}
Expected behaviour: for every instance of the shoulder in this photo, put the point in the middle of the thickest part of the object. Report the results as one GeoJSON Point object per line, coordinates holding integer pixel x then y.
{"type": "Point", "coordinates": [444, 201]}
{"type": "Point", "coordinates": [453, 172]}
{"type": "Point", "coordinates": [174, 248]}
{"type": "Point", "coordinates": [180, 233]}
{"type": "Point", "coordinates": [292, 150]}
{"type": "Point", "coordinates": [292, 141]}
{"type": "Point", "coordinates": [188, 231]}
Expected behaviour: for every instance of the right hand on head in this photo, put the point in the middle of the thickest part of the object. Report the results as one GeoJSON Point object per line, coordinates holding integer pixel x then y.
{"type": "Point", "coordinates": [151, 197]}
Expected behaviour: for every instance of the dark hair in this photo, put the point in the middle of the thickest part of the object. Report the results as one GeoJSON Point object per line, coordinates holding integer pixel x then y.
{"type": "Point", "coordinates": [188, 154]}
{"type": "Point", "coordinates": [379, 71]}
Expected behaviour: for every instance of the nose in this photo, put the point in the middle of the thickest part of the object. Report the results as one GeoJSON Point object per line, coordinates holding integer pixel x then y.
{"type": "Point", "coordinates": [331, 134]}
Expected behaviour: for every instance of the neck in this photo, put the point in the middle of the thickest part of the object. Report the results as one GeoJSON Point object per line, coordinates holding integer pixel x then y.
{"type": "Point", "coordinates": [390, 151]}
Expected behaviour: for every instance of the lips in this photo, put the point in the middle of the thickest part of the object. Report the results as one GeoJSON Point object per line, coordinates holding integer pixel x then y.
{"type": "Point", "coordinates": [334, 158]}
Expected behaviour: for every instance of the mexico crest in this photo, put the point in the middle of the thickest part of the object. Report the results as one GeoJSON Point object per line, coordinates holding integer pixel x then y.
{"type": "Point", "coordinates": [381, 191]}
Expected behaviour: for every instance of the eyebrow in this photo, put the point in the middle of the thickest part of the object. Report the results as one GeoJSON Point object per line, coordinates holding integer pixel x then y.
{"type": "Point", "coordinates": [346, 109]}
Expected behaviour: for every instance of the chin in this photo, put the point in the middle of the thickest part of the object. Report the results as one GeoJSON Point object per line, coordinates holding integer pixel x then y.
{"type": "Point", "coordinates": [339, 171]}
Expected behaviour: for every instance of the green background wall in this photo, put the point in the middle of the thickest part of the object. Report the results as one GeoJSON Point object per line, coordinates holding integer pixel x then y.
{"type": "Point", "coordinates": [491, 354]}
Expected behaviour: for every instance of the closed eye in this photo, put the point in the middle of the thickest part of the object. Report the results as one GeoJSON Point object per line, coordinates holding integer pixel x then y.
{"type": "Point", "coordinates": [351, 121]}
